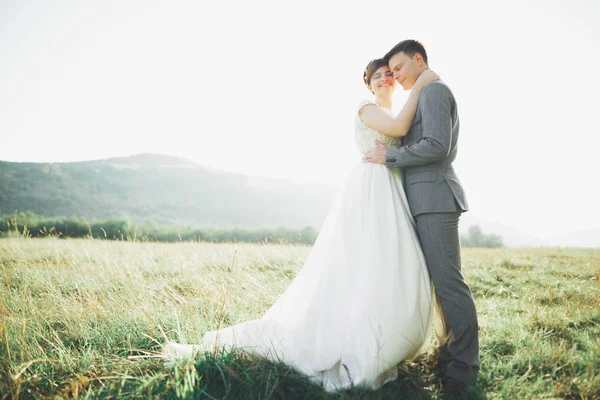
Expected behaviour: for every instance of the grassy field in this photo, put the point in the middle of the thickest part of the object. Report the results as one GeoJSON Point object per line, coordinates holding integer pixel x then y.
{"type": "Point", "coordinates": [75, 314]}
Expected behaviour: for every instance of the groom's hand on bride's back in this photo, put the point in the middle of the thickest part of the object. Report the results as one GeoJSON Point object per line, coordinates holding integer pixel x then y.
{"type": "Point", "coordinates": [377, 155]}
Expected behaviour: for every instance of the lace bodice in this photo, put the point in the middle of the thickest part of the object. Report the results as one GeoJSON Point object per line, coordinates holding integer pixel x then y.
{"type": "Point", "coordinates": [365, 136]}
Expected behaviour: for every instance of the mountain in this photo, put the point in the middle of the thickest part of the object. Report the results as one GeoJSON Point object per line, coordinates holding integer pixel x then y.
{"type": "Point", "coordinates": [171, 190]}
{"type": "Point", "coordinates": [582, 238]}
{"type": "Point", "coordinates": [165, 189]}
{"type": "Point", "coordinates": [512, 237]}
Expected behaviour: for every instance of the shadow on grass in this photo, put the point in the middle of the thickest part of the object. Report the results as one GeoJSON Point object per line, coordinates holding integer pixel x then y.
{"type": "Point", "coordinates": [237, 375]}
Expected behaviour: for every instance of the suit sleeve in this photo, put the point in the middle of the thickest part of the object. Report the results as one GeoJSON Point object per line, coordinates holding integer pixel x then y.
{"type": "Point", "coordinates": [436, 117]}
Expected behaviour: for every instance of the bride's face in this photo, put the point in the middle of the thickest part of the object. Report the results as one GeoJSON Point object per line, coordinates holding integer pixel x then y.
{"type": "Point", "coordinates": [382, 82]}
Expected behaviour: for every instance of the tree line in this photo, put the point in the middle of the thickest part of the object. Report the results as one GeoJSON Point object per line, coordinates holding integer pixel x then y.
{"type": "Point", "coordinates": [476, 238]}
{"type": "Point", "coordinates": [122, 228]}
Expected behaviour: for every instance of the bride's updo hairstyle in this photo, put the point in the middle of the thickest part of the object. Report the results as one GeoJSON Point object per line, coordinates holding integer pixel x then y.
{"type": "Point", "coordinates": [372, 67]}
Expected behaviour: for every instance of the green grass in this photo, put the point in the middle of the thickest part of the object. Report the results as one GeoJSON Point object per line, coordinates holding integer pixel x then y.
{"type": "Point", "coordinates": [74, 314]}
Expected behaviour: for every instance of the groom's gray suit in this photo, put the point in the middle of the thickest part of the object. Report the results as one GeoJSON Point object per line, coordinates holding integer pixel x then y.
{"type": "Point", "coordinates": [436, 200]}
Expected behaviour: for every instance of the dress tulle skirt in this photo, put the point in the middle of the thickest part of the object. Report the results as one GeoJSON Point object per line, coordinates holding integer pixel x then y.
{"type": "Point", "coordinates": [362, 303]}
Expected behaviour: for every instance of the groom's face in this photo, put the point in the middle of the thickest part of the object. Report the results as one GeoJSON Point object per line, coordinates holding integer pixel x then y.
{"type": "Point", "coordinates": [406, 69]}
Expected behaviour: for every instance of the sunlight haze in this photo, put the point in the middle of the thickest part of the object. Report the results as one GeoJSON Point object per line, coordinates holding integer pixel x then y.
{"type": "Point", "coordinates": [270, 88]}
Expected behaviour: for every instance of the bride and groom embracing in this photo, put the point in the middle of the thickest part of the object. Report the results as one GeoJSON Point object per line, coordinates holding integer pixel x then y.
{"type": "Point", "coordinates": [387, 252]}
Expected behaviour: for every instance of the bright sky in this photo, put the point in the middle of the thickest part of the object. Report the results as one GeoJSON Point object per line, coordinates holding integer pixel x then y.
{"type": "Point", "coordinates": [270, 88]}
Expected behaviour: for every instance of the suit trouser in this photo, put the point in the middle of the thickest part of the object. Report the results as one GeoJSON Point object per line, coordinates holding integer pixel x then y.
{"type": "Point", "coordinates": [438, 233]}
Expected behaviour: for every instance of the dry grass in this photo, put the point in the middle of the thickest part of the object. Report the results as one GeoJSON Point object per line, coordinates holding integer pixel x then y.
{"type": "Point", "coordinates": [73, 312]}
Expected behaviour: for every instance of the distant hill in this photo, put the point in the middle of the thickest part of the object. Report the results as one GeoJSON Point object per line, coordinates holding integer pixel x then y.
{"type": "Point", "coordinates": [171, 190]}
{"type": "Point", "coordinates": [164, 189]}
{"type": "Point", "coordinates": [512, 236]}
{"type": "Point", "coordinates": [583, 238]}
{"type": "Point", "coordinates": [515, 238]}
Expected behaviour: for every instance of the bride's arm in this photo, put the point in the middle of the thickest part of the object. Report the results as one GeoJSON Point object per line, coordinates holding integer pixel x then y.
{"type": "Point", "coordinates": [382, 122]}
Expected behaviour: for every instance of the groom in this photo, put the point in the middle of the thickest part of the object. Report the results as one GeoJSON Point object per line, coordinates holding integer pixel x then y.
{"type": "Point", "coordinates": [436, 200]}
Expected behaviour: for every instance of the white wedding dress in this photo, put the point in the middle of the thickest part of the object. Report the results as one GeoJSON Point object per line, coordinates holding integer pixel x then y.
{"type": "Point", "coordinates": [362, 303]}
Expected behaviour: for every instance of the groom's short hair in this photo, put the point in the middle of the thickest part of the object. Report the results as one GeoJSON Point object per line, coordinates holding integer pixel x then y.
{"type": "Point", "coordinates": [409, 47]}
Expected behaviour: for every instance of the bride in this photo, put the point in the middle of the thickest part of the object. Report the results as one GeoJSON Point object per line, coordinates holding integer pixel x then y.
{"type": "Point", "coordinates": [363, 302]}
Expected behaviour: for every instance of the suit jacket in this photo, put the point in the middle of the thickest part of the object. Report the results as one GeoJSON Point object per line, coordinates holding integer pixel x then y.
{"type": "Point", "coordinates": [427, 153]}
